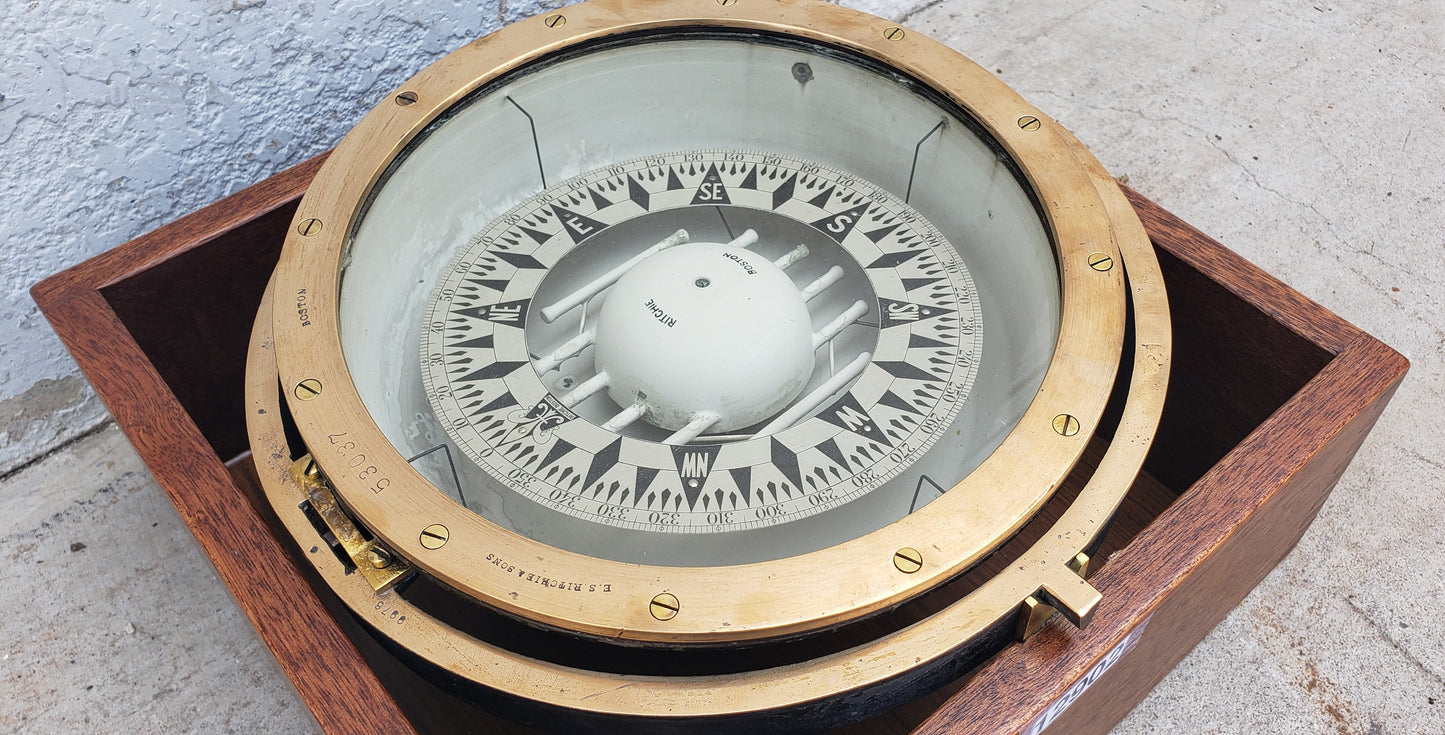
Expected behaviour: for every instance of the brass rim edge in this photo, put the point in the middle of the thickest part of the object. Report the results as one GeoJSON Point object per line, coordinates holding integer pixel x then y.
{"type": "Point", "coordinates": [1032, 457]}
{"type": "Point", "coordinates": [1153, 336]}
{"type": "Point", "coordinates": [924, 642]}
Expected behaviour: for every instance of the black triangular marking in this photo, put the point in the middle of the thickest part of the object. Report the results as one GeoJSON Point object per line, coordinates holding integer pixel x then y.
{"type": "Point", "coordinates": [645, 476]}
{"type": "Point", "coordinates": [894, 313]}
{"type": "Point", "coordinates": [837, 226]}
{"type": "Point", "coordinates": [636, 193]}
{"type": "Point", "coordinates": [918, 340]}
{"type": "Point", "coordinates": [694, 463]}
{"type": "Point", "coordinates": [751, 180]}
{"type": "Point", "coordinates": [784, 192]}
{"type": "Point", "coordinates": [482, 341]}
{"type": "Point", "coordinates": [892, 400]}
{"type": "Point", "coordinates": [893, 260]}
{"type": "Point", "coordinates": [787, 462]}
{"type": "Point", "coordinates": [495, 284]}
{"type": "Point", "coordinates": [509, 313]}
{"type": "Point", "coordinates": [879, 234]}
{"type": "Point", "coordinates": [847, 413]}
{"type": "Point", "coordinates": [578, 227]}
{"type": "Point", "coordinates": [521, 260]}
{"type": "Point", "coordinates": [673, 183]}
{"type": "Point", "coordinates": [598, 200]}
{"type": "Point", "coordinates": [830, 449]}
{"type": "Point", "coordinates": [821, 201]}
{"type": "Point", "coordinates": [506, 400]}
{"type": "Point", "coordinates": [603, 461]}
{"type": "Point", "coordinates": [906, 370]}
{"type": "Point", "coordinates": [711, 191]}
{"type": "Point", "coordinates": [537, 236]}
{"type": "Point", "coordinates": [743, 478]}
{"type": "Point", "coordinates": [559, 448]}
{"type": "Point", "coordinates": [912, 283]}
{"type": "Point", "coordinates": [489, 372]}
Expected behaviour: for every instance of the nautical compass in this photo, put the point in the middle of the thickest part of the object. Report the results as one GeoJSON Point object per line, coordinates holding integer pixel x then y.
{"type": "Point", "coordinates": [691, 387]}
{"type": "Point", "coordinates": [654, 330]}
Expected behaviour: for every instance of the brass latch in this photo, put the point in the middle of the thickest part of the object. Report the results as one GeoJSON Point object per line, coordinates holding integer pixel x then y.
{"type": "Point", "coordinates": [1073, 597]}
{"type": "Point", "coordinates": [377, 564]}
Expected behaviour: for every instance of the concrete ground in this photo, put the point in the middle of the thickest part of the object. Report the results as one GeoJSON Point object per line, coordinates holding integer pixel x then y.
{"type": "Point", "coordinates": [1305, 136]}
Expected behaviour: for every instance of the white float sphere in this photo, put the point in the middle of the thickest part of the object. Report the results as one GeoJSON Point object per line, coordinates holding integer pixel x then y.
{"type": "Point", "coordinates": [705, 327]}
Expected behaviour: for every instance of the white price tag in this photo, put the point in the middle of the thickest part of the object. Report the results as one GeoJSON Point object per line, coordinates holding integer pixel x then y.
{"type": "Point", "coordinates": [1061, 705]}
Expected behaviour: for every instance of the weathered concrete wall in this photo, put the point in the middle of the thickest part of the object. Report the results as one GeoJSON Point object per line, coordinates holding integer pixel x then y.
{"type": "Point", "coordinates": [117, 117]}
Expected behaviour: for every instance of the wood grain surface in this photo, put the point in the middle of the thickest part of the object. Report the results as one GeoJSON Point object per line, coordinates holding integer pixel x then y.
{"type": "Point", "coordinates": [311, 648]}
{"type": "Point", "coordinates": [1249, 349]}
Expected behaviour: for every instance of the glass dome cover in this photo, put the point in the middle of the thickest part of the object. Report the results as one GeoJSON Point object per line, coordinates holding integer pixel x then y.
{"type": "Point", "coordinates": [543, 116]}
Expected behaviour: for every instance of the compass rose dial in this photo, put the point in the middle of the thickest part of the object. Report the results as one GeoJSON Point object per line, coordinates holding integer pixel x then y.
{"type": "Point", "coordinates": [701, 342]}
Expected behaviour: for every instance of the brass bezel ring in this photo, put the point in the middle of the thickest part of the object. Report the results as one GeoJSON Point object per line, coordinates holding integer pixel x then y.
{"type": "Point", "coordinates": [733, 603]}
{"type": "Point", "coordinates": [923, 646]}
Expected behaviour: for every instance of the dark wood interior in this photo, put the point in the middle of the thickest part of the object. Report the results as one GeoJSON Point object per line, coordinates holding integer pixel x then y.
{"type": "Point", "coordinates": [191, 315]}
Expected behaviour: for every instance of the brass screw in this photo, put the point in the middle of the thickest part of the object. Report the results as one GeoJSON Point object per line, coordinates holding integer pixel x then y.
{"type": "Point", "coordinates": [1100, 261]}
{"type": "Point", "coordinates": [726, 3]}
{"type": "Point", "coordinates": [307, 389]}
{"type": "Point", "coordinates": [406, 98]}
{"type": "Point", "coordinates": [894, 33]}
{"type": "Point", "coordinates": [1066, 425]}
{"type": "Point", "coordinates": [434, 536]}
{"type": "Point", "coordinates": [1029, 122]}
{"type": "Point", "coordinates": [555, 20]}
{"type": "Point", "coordinates": [379, 557]}
{"type": "Point", "coordinates": [664, 606]}
{"type": "Point", "coordinates": [309, 227]}
{"type": "Point", "coordinates": [908, 560]}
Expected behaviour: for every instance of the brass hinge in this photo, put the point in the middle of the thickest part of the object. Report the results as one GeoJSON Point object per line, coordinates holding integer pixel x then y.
{"type": "Point", "coordinates": [380, 566]}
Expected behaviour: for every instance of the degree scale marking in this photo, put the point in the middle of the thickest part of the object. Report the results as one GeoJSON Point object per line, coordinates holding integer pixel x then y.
{"type": "Point", "coordinates": [475, 360]}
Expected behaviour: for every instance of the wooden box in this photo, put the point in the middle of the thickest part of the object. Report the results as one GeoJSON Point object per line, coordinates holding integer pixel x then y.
{"type": "Point", "coordinates": [1270, 398]}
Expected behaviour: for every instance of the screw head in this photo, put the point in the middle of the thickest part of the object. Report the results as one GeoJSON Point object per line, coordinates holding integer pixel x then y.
{"type": "Point", "coordinates": [406, 98]}
{"type": "Point", "coordinates": [309, 227]}
{"type": "Point", "coordinates": [1066, 425]}
{"type": "Point", "coordinates": [555, 20]}
{"type": "Point", "coordinates": [664, 606]}
{"type": "Point", "coordinates": [894, 33]}
{"type": "Point", "coordinates": [1100, 261]}
{"type": "Point", "coordinates": [908, 560]}
{"type": "Point", "coordinates": [1030, 123]}
{"type": "Point", "coordinates": [434, 536]}
{"type": "Point", "coordinates": [379, 557]}
{"type": "Point", "coordinates": [307, 389]}
{"type": "Point", "coordinates": [726, 3]}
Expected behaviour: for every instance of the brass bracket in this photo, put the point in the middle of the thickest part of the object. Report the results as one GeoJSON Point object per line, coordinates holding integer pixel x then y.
{"type": "Point", "coordinates": [378, 565]}
{"type": "Point", "coordinates": [1075, 598]}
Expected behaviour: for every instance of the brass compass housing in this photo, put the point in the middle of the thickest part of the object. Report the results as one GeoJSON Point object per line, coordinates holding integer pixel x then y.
{"type": "Point", "coordinates": [556, 560]}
